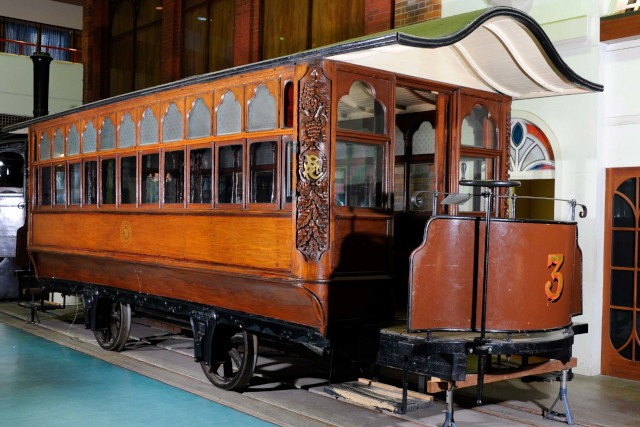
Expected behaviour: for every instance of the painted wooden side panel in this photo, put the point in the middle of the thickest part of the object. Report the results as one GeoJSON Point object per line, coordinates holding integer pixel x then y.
{"type": "Point", "coordinates": [233, 240]}
{"type": "Point", "coordinates": [447, 271]}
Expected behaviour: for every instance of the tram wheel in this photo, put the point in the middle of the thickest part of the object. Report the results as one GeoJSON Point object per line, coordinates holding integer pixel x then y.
{"type": "Point", "coordinates": [116, 334]}
{"type": "Point", "coordinates": [235, 372]}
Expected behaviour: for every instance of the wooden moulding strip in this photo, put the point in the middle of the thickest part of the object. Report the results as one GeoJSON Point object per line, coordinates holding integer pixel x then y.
{"type": "Point", "coordinates": [436, 385]}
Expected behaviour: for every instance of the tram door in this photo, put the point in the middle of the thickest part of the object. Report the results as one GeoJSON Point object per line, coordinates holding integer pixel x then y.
{"type": "Point", "coordinates": [621, 299]}
{"type": "Point", "coordinates": [11, 218]}
{"type": "Point", "coordinates": [420, 117]}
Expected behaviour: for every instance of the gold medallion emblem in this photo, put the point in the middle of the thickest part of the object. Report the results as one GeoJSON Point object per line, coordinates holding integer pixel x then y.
{"type": "Point", "coordinates": [125, 233]}
{"type": "Point", "coordinates": [312, 167]}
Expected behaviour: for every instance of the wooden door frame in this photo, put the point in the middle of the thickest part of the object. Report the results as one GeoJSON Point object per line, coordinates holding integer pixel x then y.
{"type": "Point", "coordinates": [613, 364]}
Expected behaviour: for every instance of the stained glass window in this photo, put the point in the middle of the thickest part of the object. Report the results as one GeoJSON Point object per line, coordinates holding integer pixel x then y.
{"type": "Point", "coordinates": [530, 148]}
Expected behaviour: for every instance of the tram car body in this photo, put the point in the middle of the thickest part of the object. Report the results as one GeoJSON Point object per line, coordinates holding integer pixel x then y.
{"type": "Point", "coordinates": [290, 197]}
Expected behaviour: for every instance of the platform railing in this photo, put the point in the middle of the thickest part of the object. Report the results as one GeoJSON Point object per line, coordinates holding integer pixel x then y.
{"type": "Point", "coordinates": [75, 55]}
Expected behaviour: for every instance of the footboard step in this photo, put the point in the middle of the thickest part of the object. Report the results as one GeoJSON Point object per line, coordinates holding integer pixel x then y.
{"type": "Point", "coordinates": [378, 396]}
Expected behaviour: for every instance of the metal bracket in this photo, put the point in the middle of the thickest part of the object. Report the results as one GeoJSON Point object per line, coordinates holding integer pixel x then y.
{"type": "Point", "coordinates": [203, 325]}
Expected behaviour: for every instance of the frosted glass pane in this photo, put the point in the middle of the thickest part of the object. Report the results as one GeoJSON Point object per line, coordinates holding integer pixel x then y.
{"type": "Point", "coordinates": [45, 147]}
{"type": "Point", "coordinates": [360, 111]}
{"type": "Point", "coordinates": [148, 128]}
{"type": "Point", "coordinates": [424, 140]}
{"type": "Point", "coordinates": [199, 120]}
{"type": "Point", "coordinates": [229, 115]}
{"type": "Point", "coordinates": [478, 130]}
{"type": "Point", "coordinates": [107, 135]}
{"type": "Point", "coordinates": [89, 138]}
{"type": "Point", "coordinates": [73, 141]}
{"type": "Point", "coordinates": [58, 144]}
{"type": "Point", "coordinates": [127, 134]}
{"type": "Point", "coordinates": [399, 150]}
{"type": "Point", "coordinates": [262, 110]}
{"type": "Point", "coordinates": [172, 124]}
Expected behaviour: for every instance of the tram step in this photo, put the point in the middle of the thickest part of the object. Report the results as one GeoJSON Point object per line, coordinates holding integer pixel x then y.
{"type": "Point", "coordinates": [378, 396]}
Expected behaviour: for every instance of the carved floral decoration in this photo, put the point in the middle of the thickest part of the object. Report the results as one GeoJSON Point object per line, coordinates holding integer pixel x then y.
{"type": "Point", "coordinates": [312, 217]}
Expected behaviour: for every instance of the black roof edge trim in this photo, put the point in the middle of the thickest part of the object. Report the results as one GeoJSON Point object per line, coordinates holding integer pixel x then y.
{"type": "Point", "coordinates": [337, 49]}
{"type": "Point", "coordinates": [522, 18]}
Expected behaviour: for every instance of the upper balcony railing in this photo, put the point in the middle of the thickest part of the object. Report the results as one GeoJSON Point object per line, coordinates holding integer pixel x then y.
{"type": "Point", "coordinates": [26, 48]}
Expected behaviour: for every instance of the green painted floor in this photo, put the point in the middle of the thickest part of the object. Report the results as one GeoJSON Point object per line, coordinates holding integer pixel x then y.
{"type": "Point", "coordinates": [43, 383]}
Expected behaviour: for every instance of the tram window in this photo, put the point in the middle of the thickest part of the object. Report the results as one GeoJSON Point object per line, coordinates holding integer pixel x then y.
{"type": "Point", "coordinates": [90, 182]}
{"type": "Point", "coordinates": [75, 179]}
{"type": "Point", "coordinates": [11, 173]}
{"type": "Point", "coordinates": [478, 130]}
{"type": "Point", "coordinates": [107, 135]}
{"type": "Point", "coordinates": [89, 138]}
{"type": "Point", "coordinates": [73, 141]}
{"type": "Point", "coordinates": [199, 120]}
{"type": "Point", "coordinates": [290, 150]}
{"type": "Point", "coordinates": [148, 128]}
{"type": "Point", "coordinates": [262, 170]}
{"type": "Point", "coordinates": [398, 188]}
{"type": "Point", "coordinates": [45, 179]}
{"type": "Point", "coordinates": [230, 174]}
{"type": "Point", "coordinates": [172, 124]}
{"type": "Point", "coordinates": [58, 144]}
{"type": "Point", "coordinates": [45, 147]}
{"type": "Point", "coordinates": [108, 175]}
{"type": "Point", "coordinates": [128, 176]}
{"type": "Point", "coordinates": [126, 132]}
{"type": "Point", "coordinates": [358, 176]}
{"type": "Point", "coordinates": [200, 175]}
{"type": "Point", "coordinates": [474, 168]}
{"type": "Point", "coordinates": [229, 115]}
{"type": "Point", "coordinates": [288, 105]}
{"type": "Point", "coordinates": [360, 111]}
{"type": "Point", "coordinates": [262, 110]}
{"type": "Point", "coordinates": [174, 177]}
{"type": "Point", "coordinates": [421, 186]}
{"type": "Point", "coordinates": [60, 185]}
{"type": "Point", "coordinates": [150, 169]}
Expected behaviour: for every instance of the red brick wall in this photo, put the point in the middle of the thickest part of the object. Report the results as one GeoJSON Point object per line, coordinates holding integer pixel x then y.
{"type": "Point", "coordinates": [246, 41]}
{"type": "Point", "coordinates": [414, 11]}
{"type": "Point", "coordinates": [378, 15]}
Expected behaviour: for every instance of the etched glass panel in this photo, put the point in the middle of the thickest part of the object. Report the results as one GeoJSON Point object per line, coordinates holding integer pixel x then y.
{"type": "Point", "coordinates": [73, 141]}
{"type": "Point", "coordinates": [399, 147]}
{"type": "Point", "coordinates": [473, 168]}
{"type": "Point", "coordinates": [360, 111]}
{"type": "Point", "coordinates": [174, 177]}
{"type": "Point", "coordinates": [358, 174]}
{"type": "Point", "coordinates": [172, 124]}
{"type": "Point", "coordinates": [61, 185]}
{"type": "Point", "coordinates": [200, 187]}
{"type": "Point", "coordinates": [45, 179]}
{"type": "Point", "coordinates": [230, 174]}
{"type": "Point", "coordinates": [108, 167]}
{"type": "Point", "coordinates": [262, 110]}
{"type": "Point", "coordinates": [199, 120]}
{"type": "Point", "coordinates": [148, 128]}
{"type": "Point", "coordinates": [422, 183]}
{"type": "Point", "coordinates": [75, 180]}
{"type": "Point", "coordinates": [150, 169]}
{"type": "Point", "coordinates": [45, 147]}
{"type": "Point", "coordinates": [229, 115]}
{"type": "Point", "coordinates": [58, 144]}
{"type": "Point", "coordinates": [107, 135]}
{"type": "Point", "coordinates": [128, 175]}
{"type": "Point", "coordinates": [424, 140]}
{"type": "Point", "coordinates": [478, 130]}
{"type": "Point", "coordinates": [90, 182]}
{"type": "Point", "coordinates": [89, 138]}
{"type": "Point", "coordinates": [127, 132]}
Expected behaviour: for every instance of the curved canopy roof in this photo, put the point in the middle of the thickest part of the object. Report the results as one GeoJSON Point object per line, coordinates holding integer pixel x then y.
{"type": "Point", "coordinates": [499, 50]}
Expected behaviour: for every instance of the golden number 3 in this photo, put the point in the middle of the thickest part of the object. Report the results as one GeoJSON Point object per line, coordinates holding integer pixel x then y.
{"type": "Point", "coordinates": [557, 260]}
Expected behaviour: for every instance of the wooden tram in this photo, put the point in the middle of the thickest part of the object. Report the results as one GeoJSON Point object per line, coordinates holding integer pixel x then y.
{"type": "Point", "coordinates": [292, 198]}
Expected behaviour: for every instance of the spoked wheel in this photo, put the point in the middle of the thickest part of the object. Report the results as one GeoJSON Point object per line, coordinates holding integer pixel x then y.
{"type": "Point", "coordinates": [235, 372]}
{"type": "Point", "coordinates": [116, 334]}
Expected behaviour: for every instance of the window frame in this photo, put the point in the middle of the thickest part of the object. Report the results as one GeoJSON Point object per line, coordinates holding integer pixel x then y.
{"type": "Point", "coordinates": [214, 181]}
{"type": "Point", "coordinates": [77, 161]}
{"type": "Point", "coordinates": [85, 160]}
{"type": "Point", "coordinates": [141, 203]}
{"type": "Point", "coordinates": [119, 158]}
{"type": "Point", "coordinates": [218, 146]}
{"type": "Point", "coordinates": [275, 205]}
{"type": "Point", "coordinates": [101, 204]}
{"type": "Point", "coordinates": [54, 194]}
{"type": "Point", "coordinates": [163, 153]}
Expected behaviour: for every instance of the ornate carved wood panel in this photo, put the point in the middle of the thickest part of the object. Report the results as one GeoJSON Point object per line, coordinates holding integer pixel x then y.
{"type": "Point", "coordinates": [312, 215]}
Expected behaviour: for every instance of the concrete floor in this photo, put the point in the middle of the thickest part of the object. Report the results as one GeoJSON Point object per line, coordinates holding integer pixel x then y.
{"type": "Point", "coordinates": [289, 390]}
